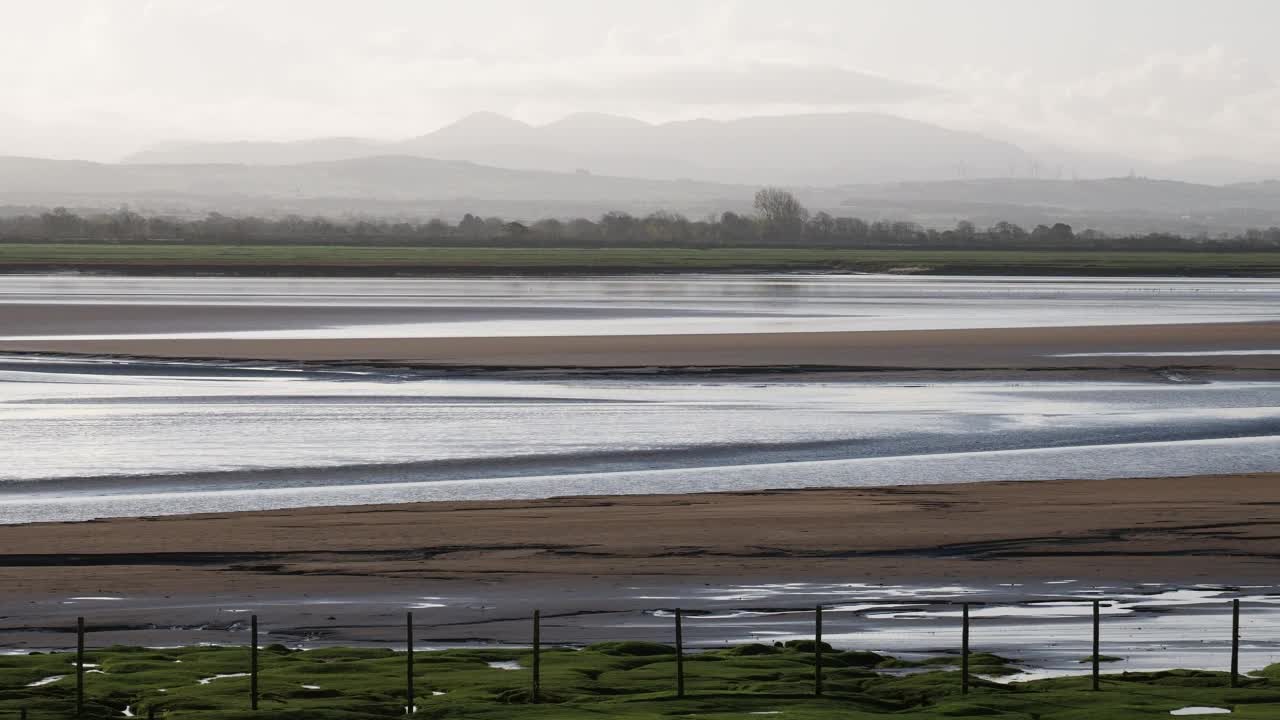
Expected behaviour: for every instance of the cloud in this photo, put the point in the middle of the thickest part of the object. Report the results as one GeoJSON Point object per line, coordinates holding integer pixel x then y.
{"type": "Point", "coordinates": [1166, 106]}
{"type": "Point", "coordinates": [84, 75]}
{"type": "Point", "coordinates": [673, 81]}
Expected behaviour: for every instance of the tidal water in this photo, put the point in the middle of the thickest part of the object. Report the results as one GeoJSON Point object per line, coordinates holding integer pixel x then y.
{"type": "Point", "coordinates": [86, 437]}
{"type": "Point", "coordinates": [1045, 626]}
{"type": "Point", "coordinates": [95, 438]}
{"type": "Point", "coordinates": [108, 307]}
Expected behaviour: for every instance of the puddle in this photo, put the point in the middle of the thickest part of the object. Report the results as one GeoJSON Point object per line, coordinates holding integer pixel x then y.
{"type": "Point", "coordinates": [206, 681]}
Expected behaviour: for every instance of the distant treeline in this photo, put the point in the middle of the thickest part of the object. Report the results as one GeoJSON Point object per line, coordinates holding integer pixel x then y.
{"type": "Point", "coordinates": [780, 223]}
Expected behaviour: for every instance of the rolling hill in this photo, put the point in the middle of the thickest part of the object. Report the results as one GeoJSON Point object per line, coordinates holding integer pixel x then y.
{"type": "Point", "coordinates": [818, 149]}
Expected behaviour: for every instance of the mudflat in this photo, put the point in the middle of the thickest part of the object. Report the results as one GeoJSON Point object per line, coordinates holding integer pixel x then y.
{"type": "Point", "coordinates": [1185, 345]}
{"type": "Point", "coordinates": [1194, 529]}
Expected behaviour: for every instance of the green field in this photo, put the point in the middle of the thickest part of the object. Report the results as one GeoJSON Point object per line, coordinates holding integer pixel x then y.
{"type": "Point", "coordinates": [610, 680]}
{"type": "Point", "coordinates": [319, 260]}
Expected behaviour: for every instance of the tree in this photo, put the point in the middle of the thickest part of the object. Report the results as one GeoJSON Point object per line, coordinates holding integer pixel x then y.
{"type": "Point", "coordinates": [1059, 234]}
{"type": "Point", "coordinates": [852, 230]}
{"type": "Point", "coordinates": [548, 229]}
{"type": "Point", "coordinates": [820, 228]}
{"type": "Point", "coordinates": [436, 229]}
{"type": "Point", "coordinates": [471, 227]}
{"type": "Point", "coordinates": [734, 228]}
{"type": "Point", "coordinates": [61, 223]}
{"type": "Point", "coordinates": [1006, 233]}
{"type": "Point", "coordinates": [620, 228]}
{"type": "Point", "coordinates": [515, 230]}
{"type": "Point", "coordinates": [781, 214]}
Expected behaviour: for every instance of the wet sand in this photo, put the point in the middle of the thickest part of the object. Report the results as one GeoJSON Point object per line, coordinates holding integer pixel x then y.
{"type": "Point", "coordinates": [599, 567]}
{"type": "Point", "coordinates": [962, 349]}
{"type": "Point", "coordinates": [97, 318]}
{"type": "Point", "coordinates": [1210, 529]}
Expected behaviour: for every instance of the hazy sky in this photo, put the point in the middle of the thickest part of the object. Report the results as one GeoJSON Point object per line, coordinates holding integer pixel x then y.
{"type": "Point", "coordinates": [1158, 79]}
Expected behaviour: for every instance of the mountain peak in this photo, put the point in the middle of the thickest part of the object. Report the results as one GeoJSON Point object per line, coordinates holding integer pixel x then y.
{"type": "Point", "coordinates": [489, 121]}
{"type": "Point", "coordinates": [595, 121]}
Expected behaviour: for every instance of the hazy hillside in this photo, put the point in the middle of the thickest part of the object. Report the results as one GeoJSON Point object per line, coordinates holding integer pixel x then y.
{"type": "Point", "coordinates": [813, 150]}
{"type": "Point", "coordinates": [1116, 204]}
{"type": "Point", "coordinates": [1157, 196]}
{"type": "Point", "coordinates": [823, 149]}
{"type": "Point", "coordinates": [424, 188]}
{"type": "Point", "coordinates": [260, 153]}
{"type": "Point", "coordinates": [394, 185]}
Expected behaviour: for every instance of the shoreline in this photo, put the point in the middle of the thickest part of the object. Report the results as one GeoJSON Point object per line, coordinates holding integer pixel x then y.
{"type": "Point", "coordinates": [1204, 526]}
{"type": "Point", "coordinates": [573, 271]}
{"type": "Point", "coordinates": [355, 260]}
{"type": "Point", "coordinates": [1066, 348]}
{"type": "Point", "coordinates": [1129, 372]}
{"type": "Point", "coordinates": [601, 566]}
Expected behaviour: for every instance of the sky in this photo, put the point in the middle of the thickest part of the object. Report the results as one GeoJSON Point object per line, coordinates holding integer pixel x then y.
{"type": "Point", "coordinates": [1159, 80]}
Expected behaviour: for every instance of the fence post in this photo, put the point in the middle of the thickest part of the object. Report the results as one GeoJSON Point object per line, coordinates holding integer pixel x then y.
{"type": "Point", "coordinates": [408, 661]}
{"type": "Point", "coordinates": [79, 667]}
{"type": "Point", "coordinates": [817, 651]}
{"type": "Point", "coordinates": [1235, 643]}
{"type": "Point", "coordinates": [679, 653]}
{"type": "Point", "coordinates": [964, 651]}
{"type": "Point", "coordinates": [1097, 642]}
{"type": "Point", "coordinates": [151, 713]}
{"type": "Point", "coordinates": [537, 656]}
{"type": "Point", "coordinates": [253, 662]}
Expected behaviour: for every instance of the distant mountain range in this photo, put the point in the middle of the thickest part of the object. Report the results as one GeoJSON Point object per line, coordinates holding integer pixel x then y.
{"type": "Point", "coordinates": [795, 150]}
{"type": "Point", "coordinates": [1119, 205]}
{"type": "Point", "coordinates": [413, 187]}
{"type": "Point", "coordinates": [867, 165]}
{"type": "Point", "coordinates": [817, 150]}
{"type": "Point", "coordinates": [388, 185]}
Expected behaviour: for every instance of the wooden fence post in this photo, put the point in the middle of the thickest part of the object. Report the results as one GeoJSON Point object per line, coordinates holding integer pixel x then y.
{"type": "Point", "coordinates": [408, 661]}
{"type": "Point", "coordinates": [679, 653]}
{"type": "Point", "coordinates": [253, 662]}
{"type": "Point", "coordinates": [1097, 643]}
{"type": "Point", "coordinates": [79, 667]}
{"type": "Point", "coordinates": [964, 651]}
{"type": "Point", "coordinates": [1235, 643]}
{"type": "Point", "coordinates": [817, 651]}
{"type": "Point", "coordinates": [537, 656]}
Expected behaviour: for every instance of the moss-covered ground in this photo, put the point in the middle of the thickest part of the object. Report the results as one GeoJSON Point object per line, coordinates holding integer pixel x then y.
{"type": "Point", "coordinates": [611, 680]}
{"type": "Point", "coordinates": [288, 260]}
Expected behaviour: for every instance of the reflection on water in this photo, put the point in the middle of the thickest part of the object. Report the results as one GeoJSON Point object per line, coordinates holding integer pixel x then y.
{"type": "Point", "coordinates": [119, 438]}
{"type": "Point", "coordinates": [1045, 626]}
{"type": "Point", "coordinates": [459, 307]}
{"type": "Point", "coordinates": [1049, 630]}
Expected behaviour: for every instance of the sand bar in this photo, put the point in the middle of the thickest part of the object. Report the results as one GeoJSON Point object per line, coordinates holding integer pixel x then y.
{"type": "Point", "coordinates": [1007, 348]}
{"type": "Point", "coordinates": [1201, 529]}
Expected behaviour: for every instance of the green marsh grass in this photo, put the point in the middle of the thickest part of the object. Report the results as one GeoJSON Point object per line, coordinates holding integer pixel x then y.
{"type": "Point", "coordinates": [628, 681]}
{"type": "Point", "coordinates": [377, 260]}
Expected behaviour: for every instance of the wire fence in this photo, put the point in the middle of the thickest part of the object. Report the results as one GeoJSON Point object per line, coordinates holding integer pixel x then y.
{"type": "Point", "coordinates": [536, 689]}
